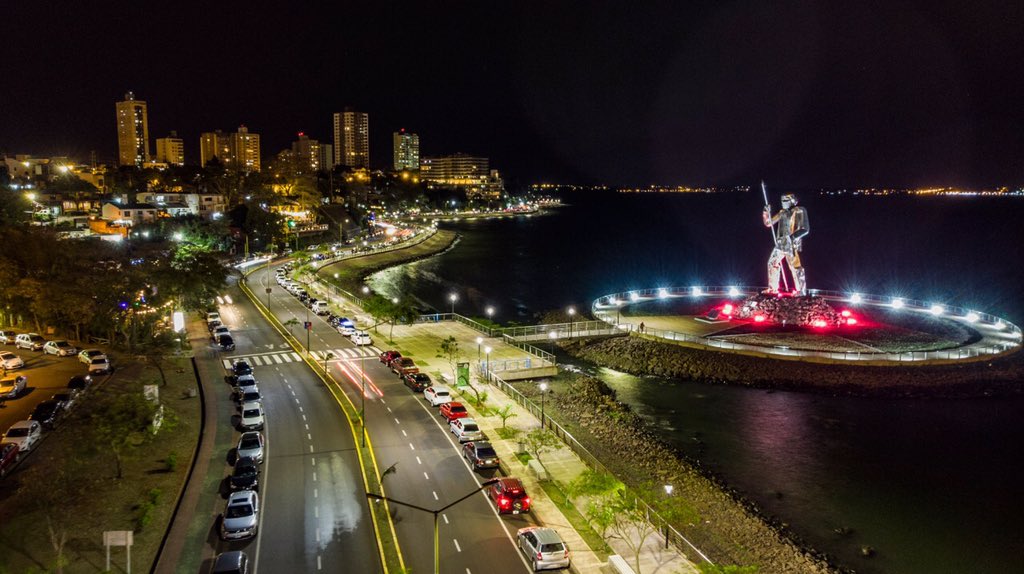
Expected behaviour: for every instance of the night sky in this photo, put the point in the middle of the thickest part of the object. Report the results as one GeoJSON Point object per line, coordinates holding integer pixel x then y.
{"type": "Point", "coordinates": [626, 93]}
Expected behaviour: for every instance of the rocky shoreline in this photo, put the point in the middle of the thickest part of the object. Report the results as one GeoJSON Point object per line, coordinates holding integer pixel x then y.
{"type": "Point", "coordinates": [1001, 376]}
{"type": "Point", "coordinates": [730, 529]}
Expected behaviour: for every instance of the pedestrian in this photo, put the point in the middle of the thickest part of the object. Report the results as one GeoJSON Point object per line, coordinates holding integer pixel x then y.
{"type": "Point", "coordinates": [641, 326]}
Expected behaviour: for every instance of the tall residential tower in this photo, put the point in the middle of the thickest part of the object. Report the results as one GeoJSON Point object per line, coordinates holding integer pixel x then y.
{"type": "Point", "coordinates": [352, 138]}
{"type": "Point", "coordinates": [132, 131]}
{"type": "Point", "coordinates": [407, 150]}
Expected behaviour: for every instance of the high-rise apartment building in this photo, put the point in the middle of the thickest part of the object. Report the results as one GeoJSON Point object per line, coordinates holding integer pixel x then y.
{"type": "Point", "coordinates": [352, 138]}
{"type": "Point", "coordinates": [326, 157]}
{"type": "Point", "coordinates": [407, 150]}
{"type": "Point", "coordinates": [473, 174]}
{"type": "Point", "coordinates": [132, 131]}
{"type": "Point", "coordinates": [170, 150]}
{"type": "Point", "coordinates": [238, 151]}
{"type": "Point", "coordinates": [307, 154]}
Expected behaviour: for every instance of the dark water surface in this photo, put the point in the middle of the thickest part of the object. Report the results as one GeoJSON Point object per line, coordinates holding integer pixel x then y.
{"type": "Point", "coordinates": [932, 486]}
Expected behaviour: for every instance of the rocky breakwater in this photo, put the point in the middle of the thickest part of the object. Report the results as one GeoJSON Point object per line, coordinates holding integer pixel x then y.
{"type": "Point", "coordinates": [645, 356]}
{"type": "Point", "coordinates": [729, 529]}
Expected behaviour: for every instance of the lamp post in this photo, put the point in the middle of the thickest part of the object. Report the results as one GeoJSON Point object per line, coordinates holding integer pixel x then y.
{"type": "Point", "coordinates": [453, 298]}
{"type": "Point", "coordinates": [572, 316]}
{"type": "Point", "coordinates": [487, 365]}
{"type": "Point", "coordinates": [543, 391]}
{"type": "Point", "coordinates": [435, 513]}
{"type": "Point", "coordinates": [335, 284]}
{"type": "Point", "coordinates": [309, 328]}
{"type": "Point", "coordinates": [668, 492]}
{"type": "Point", "coordinates": [479, 340]}
{"type": "Point", "coordinates": [490, 313]}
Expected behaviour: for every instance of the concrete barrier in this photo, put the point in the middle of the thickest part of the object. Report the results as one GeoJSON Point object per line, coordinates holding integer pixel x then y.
{"type": "Point", "coordinates": [618, 565]}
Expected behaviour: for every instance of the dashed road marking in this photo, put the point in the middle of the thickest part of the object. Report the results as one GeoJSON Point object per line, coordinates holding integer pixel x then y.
{"type": "Point", "coordinates": [445, 516]}
{"type": "Point", "coordinates": [396, 422]}
{"type": "Point", "coordinates": [435, 495]}
{"type": "Point", "coordinates": [457, 547]}
{"type": "Point", "coordinates": [418, 461]}
{"type": "Point", "coordinates": [404, 433]}
{"type": "Point", "coordinates": [426, 476]}
{"type": "Point", "coordinates": [411, 447]}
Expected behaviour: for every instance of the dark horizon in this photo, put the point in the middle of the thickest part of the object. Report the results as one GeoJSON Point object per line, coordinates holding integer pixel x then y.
{"type": "Point", "coordinates": [913, 94]}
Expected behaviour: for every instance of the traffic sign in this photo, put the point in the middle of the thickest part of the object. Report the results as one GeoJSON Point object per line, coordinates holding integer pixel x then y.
{"type": "Point", "coordinates": [308, 325]}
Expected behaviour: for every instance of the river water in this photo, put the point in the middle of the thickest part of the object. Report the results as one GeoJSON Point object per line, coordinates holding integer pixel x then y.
{"type": "Point", "coordinates": [930, 485]}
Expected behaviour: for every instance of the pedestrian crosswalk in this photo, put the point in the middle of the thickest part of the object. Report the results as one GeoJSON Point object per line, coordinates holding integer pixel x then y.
{"type": "Point", "coordinates": [278, 358]}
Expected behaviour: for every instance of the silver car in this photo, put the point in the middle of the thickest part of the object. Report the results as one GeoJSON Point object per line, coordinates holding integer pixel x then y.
{"type": "Point", "coordinates": [11, 361]}
{"type": "Point", "coordinates": [250, 445]}
{"type": "Point", "coordinates": [543, 547]}
{"type": "Point", "coordinates": [241, 517]}
{"type": "Point", "coordinates": [465, 429]}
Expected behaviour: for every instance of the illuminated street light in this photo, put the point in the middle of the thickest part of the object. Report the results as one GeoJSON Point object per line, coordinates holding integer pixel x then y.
{"type": "Point", "coordinates": [696, 291]}
{"type": "Point", "coordinates": [734, 292]}
{"type": "Point", "coordinates": [662, 293]}
{"type": "Point", "coordinates": [490, 312]}
{"type": "Point", "coordinates": [572, 316]}
{"type": "Point", "coordinates": [897, 303]}
{"type": "Point", "coordinates": [479, 341]}
{"type": "Point", "coordinates": [855, 298]}
{"type": "Point", "coordinates": [972, 317]}
{"type": "Point", "coordinates": [937, 309]}
{"type": "Point", "coordinates": [453, 298]}
{"type": "Point", "coordinates": [634, 296]}
{"type": "Point", "coordinates": [178, 236]}
{"type": "Point", "coordinates": [543, 391]}
{"type": "Point", "coordinates": [487, 365]}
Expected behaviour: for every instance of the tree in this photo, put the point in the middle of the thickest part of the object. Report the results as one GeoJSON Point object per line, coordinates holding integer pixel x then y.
{"type": "Point", "coordinates": [506, 412]}
{"type": "Point", "coordinates": [401, 312]}
{"type": "Point", "coordinates": [123, 423]}
{"type": "Point", "coordinates": [541, 440]}
{"type": "Point", "coordinates": [449, 350]}
{"type": "Point", "coordinates": [621, 515]}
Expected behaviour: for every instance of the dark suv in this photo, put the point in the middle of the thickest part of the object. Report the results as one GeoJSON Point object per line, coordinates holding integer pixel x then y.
{"type": "Point", "coordinates": [47, 413]}
{"type": "Point", "coordinates": [481, 454]}
{"type": "Point", "coordinates": [417, 381]}
{"type": "Point", "coordinates": [509, 496]}
{"type": "Point", "coordinates": [246, 475]}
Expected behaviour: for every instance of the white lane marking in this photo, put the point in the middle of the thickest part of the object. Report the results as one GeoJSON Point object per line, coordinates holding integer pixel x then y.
{"type": "Point", "coordinates": [382, 401]}
{"type": "Point", "coordinates": [445, 516]}
{"type": "Point", "coordinates": [296, 356]}
{"type": "Point", "coordinates": [293, 392]}
{"type": "Point", "coordinates": [300, 408]}
{"type": "Point", "coordinates": [457, 547]}
{"type": "Point", "coordinates": [316, 493]}
{"type": "Point", "coordinates": [307, 427]}
{"type": "Point", "coordinates": [312, 460]}
{"type": "Point", "coordinates": [389, 409]}
{"type": "Point", "coordinates": [404, 433]}
{"type": "Point", "coordinates": [310, 448]}
{"type": "Point", "coordinates": [426, 476]}
{"type": "Point", "coordinates": [468, 572]}
{"type": "Point", "coordinates": [303, 417]}
{"type": "Point", "coordinates": [318, 535]}
{"type": "Point", "coordinates": [411, 447]}
{"type": "Point", "coordinates": [435, 495]}
{"type": "Point", "coordinates": [277, 358]}
{"type": "Point", "coordinates": [309, 436]}
{"type": "Point", "coordinates": [289, 385]}
{"type": "Point", "coordinates": [316, 512]}
{"type": "Point", "coordinates": [418, 461]}
{"type": "Point", "coordinates": [396, 422]}
{"type": "Point", "coordinates": [320, 566]}
{"type": "Point", "coordinates": [314, 476]}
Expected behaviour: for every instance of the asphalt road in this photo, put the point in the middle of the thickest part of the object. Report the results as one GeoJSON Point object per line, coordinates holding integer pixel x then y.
{"type": "Point", "coordinates": [408, 433]}
{"type": "Point", "coordinates": [315, 515]}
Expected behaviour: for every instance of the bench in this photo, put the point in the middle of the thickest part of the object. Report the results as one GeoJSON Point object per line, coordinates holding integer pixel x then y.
{"type": "Point", "coordinates": [538, 469]}
{"type": "Point", "coordinates": [618, 565]}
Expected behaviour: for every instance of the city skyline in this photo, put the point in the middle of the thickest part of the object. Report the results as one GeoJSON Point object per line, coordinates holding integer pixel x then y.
{"type": "Point", "coordinates": [913, 95]}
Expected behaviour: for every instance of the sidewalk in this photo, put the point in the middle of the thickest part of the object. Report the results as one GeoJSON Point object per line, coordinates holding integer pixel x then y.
{"type": "Point", "coordinates": [422, 342]}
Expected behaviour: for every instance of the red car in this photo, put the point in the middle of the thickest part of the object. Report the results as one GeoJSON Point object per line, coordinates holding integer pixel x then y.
{"type": "Point", "coordinates": [404, 366]}
{"type": "Point", "coordinates": [8, 456]}
{"type": "Point", "coordinates": [509, 496]}
{"type": "Point", "coordinates": [388, 357]}
{"type": "Point", "coordinates": [452, 411]}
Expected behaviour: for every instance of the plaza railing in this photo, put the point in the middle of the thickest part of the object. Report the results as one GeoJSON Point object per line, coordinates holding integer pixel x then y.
{"type": "Point", "coordinates": [1001, 335]}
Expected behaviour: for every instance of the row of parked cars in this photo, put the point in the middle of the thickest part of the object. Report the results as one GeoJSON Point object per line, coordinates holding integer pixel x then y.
{"type": "Point", "coordinates": [94, 358]}
{"type": "Point", "coordinates": [541, 545]}
{"type": "Point", "coordinates": [23, 436]}
{"type": "Point", "coordinates": [344, 325]}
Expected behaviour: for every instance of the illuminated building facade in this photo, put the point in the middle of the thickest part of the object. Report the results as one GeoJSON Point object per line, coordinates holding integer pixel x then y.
{"type": "Point", "coordinates": [473, 174]}
{"type": "Point", "coordinates": [132, 131]}
{"type": "Point", "coordinates": [238, 151]}
{"type": "Point", "coordinates": [407, 150]}
{"type": "Point", "coordinates": [306, 154]}
{"type": "Point", "coordinates": [170, 150]}
{"type": "Point", "coordinates": [352, 138]}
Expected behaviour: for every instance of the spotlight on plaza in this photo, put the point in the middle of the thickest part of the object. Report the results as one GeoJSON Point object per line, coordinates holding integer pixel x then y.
{"type": "Point", "coordinates": [662, 293]}
{"type": "Point", "coordinates": [897, 303]}
{"type": "Point", "coordinates": [734, 292]}
{"type": "Point", "coordinates": [634, 296]}
{"type": "Point", "coordinates": [972, 317]}
{"type": "Point", "coordinates": [855, 298]}
{"type": "Point", "coordinates": [696, 291]}
{"type": "Point", "coordinates": [936, 309]}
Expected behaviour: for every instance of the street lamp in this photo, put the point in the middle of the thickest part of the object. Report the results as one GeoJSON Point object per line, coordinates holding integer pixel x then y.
{"type": "Point", "coordinates": [487, 367]}
{"type": "Point", "coordinates": [668, 492]}
{"type": "Point", "coordinates": [572, 316]}
{"type": "Point", "coordinates": [479, 340]}
{"type": "Point", "coordinates": [435, 513]}
{"type": "Point", "coordinates": [490, 312]}
{"type": "Point", "coordinates": [453, 298]}
{"type": "Point", "coordinates": [543, 391]}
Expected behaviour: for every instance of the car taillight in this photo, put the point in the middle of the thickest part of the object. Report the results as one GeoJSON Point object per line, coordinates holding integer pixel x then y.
{"type": "Point", "coordinates": [503, 502]}
{"type": "Point", "coordinates": [526, 500]}
{"type": "Point", "coordinates": [540, 556]}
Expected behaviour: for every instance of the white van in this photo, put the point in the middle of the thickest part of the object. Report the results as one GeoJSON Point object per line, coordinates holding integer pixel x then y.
{"type": "Point", "coordinates": [320, 308]}
{"type": "Point", "coordinates": [32, 341]}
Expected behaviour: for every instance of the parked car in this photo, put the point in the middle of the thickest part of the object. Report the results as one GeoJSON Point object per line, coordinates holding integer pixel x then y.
{"type": "Point", "coordinates": [246, 475]}
{"type": "Point", "coordinates": [80, 382]}
{"type": "Point", "coordinates": [437, 395]}
{"type": "Point", "coordinates": [241, 516]}
{"type": "Point", "coordinates": [250, 394]}
{"type": "Point", "coordinates": [99, 366]}
{"type": "Point", "coordinates": [68, 398]}
{"type": "Point", "coordinates": [252, 416]}
{"type": "Point", "coordinates": [218, 331]}
{"type": "Point", "coordinates": [25, 434]}
{"type": "Point", "coordinates": [48, 413]}
{"type": "Point", "coordinates": [404, 366]}
{"type": "Point", "coordinates": [59, 347]}
{"type": "Point", "coordinates": [320, 308]}
{"type": "Point", "coordinates": [234, 562]}
{"type": "Point", "coordinates": [10, 361]}
{"type": "Point", "coordinates": [346, 327]}
{"type": "Point", "coordinates": [417, 381]}
{"type": "Point", "coordinates": [509, 496]}
{"type": "Point", "coordinates": [481, 454]}
{"type": "Point", "coordinates": [250, 445]}
{"type": "Point", "coordinates": [30, 341]}
{"type": "Point", "coordinates": [8, 456]}
{"type": "Point", "coordinates": [211, 325]}
{"type": "Point", "coordinates": [212, 316]}
{"type": "Point", "coordinates": [453, 410]}
{"type": "Point", "coordinates": [7, 337]}
{"type": "Point", "coordinates": [387, 356]}
{"type": "Point", "coordinates": [465, 429]}
{"type": "Point", "coordinates": [241, 367]}
{"type": "Point", "coordinates": [360, 338]}
{"type": "Point", "coordinates": [226, 343]}
{"type": "Point", "coordinates": [244, 383]}
{"type": "Point", "coordinates": [88, 355]}
{"type": "Point", "coordinates": [543, 547]}
{"type": "Point", "coordinates": [11, 386]}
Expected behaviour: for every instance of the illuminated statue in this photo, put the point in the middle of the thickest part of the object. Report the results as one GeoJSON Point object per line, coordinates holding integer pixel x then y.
{"type": "Point", "coordinates": [792, 227]}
